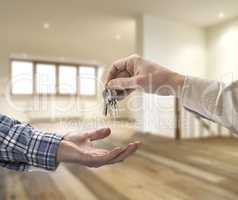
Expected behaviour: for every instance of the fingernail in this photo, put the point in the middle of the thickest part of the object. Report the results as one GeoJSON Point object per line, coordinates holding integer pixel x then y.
{"type": "Point", "coordinates": [106, 129]}
{"type": "Point", "coordinates": [138, 143]}
{"type": "Point", "coordinates": [131, 144]}
{"type": "Point", "coordinates": [109, 84]}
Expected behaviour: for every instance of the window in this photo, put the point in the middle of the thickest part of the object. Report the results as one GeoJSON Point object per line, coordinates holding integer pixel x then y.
{"type": "Point", "coordinates": [22, 77]}
{"type": "Point", "coordinates": [67, 79]}
{"type": "Point", "coordinates": [45, 79]}
{"type": "Point", "coordinates": [49, 78]}
{"type": "Point", "coordinates": [87, 77]}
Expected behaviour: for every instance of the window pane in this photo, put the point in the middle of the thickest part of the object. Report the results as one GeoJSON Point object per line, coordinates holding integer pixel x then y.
{"type": "Point", "coordinates": [22, 77]}
{"type": "Point", "coordinates": [46, 78]}
{"type": "Point", "coordinates": [87, 80]}
{"type": "Point", "coordinates": [67, 80]}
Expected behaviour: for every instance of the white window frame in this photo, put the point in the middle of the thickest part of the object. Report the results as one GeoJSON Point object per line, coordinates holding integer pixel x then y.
{"type": "Point", "coordinates": [57, 65]}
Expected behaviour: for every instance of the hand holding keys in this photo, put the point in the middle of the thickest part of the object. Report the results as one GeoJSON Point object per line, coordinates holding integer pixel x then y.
{"type": "Point", "coordinates": [110, 102]}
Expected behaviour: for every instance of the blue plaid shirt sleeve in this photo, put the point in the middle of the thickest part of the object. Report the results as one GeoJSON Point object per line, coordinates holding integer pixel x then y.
{"type": "Point", "coordinates": [22, 146]}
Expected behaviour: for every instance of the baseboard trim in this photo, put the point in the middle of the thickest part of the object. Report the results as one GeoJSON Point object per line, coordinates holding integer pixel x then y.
{"type": "Point", "coordinates": [76, 119]}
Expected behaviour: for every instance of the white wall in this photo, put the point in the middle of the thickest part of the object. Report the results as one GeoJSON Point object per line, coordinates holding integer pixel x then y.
{"type": "Point", "coordinates": [176, 45]}
{"type": "Point", "coordinates": [222, 43]}
{"type": "Point", "coordinates": [182, 48]}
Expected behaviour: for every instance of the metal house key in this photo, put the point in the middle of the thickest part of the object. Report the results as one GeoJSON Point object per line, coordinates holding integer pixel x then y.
{"type": "Point", "coordinates": [110, 102]}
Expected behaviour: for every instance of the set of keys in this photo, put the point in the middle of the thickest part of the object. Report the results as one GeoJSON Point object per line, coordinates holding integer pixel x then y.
{"type": "Point", "coordinates": [110, 102]}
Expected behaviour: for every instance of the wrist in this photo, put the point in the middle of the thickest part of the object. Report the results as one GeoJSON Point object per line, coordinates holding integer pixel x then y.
{"type": "Point", "coordinates": [60, 152]}
{"type": "Point", "coordinates": [177, 82]}
{"type": "Point", "coordinates": [67, 152]}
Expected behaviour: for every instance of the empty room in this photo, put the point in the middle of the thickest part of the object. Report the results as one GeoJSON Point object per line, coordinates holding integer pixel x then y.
{"type": "Point", "coordinates": [119, 100]}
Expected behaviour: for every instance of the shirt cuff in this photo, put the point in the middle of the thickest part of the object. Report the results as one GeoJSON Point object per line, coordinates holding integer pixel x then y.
{"type": "Point", "coordinates": [196, 96]}
{"type": "Point", "coordinates": [42, 150]}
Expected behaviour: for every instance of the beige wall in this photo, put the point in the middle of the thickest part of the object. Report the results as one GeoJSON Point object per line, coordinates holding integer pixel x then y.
{"type": "Point", "coordinates": [222, 43]}
{"type": "Point", "coordinates": [89, 39]}
{"type": "Point", "coordinates": [202, 52]}
{"type": "Point", "coordinates": [178, 46]}
{"type": "Point", "coordinates": [182, 48]}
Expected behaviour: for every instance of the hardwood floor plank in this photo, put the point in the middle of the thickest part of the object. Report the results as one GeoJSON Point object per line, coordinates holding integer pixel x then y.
{"type": "Point", "coordinates": [14, 187]}
{"type": "Point", "coordinates": [98, 186]}
{"type": "Point", "coordinates": [39, 186]}
{"type": "Point", "coordinates": [70, 186]}
{"type": "Point", "coordinates": [183, 152]}
{"type": "Point", "coordinates": [185, 184]}
{"type": "Point", "coordinates": [191, 170]}
{"type": "Point", "coordinates": [2, 183]}
{"type": "Point", "coordinates": [136, 184]}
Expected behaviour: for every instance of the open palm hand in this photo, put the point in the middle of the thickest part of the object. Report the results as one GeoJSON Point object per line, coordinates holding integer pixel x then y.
{"type": "Point", "coordinates": [77, 148]}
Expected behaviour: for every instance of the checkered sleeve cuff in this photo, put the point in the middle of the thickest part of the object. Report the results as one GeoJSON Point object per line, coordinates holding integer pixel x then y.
{"type": "Point", "coordinates": [22, 146]}
{"type": "Point", "coordinates": [42, 150]}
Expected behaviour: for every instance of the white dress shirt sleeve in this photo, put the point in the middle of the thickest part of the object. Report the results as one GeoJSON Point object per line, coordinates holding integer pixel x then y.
{"type": "Point", "coordinates": [213, 100]}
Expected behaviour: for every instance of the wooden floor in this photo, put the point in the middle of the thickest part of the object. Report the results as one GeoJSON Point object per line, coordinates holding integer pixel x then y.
{"type": "Point", "coordinates": [162, 169]}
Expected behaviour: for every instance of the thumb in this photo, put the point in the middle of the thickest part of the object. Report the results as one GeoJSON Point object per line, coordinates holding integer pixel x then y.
{"type": "Point", "coordinates": [99, 134]}
{"type": "Point", "coordinates": [123, 83]}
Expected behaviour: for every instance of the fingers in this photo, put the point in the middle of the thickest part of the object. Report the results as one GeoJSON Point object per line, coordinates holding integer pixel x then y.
{"type": "Point", "coordinates": [116, 155]}
{"type": "Point", "coordinates": [131, 148]}
{"type": "Point", "coordinates": [99, 134]}
{"type": "Point", "coordinates": [117, 67]}
{"type": "Point", "coordinates": [112, 74]}
{"type": "Point", "coordinates": [121, 94]}
{"type": "Point", "coordinates": [111, 155]}
{"type": "Point", "coordinates": [123, 83]}
{"type": "Point", "coordinates": [122, 65]}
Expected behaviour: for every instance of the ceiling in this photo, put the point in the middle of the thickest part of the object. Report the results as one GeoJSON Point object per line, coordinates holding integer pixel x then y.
{"type": "Point", "coordinates": [198, 12]}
